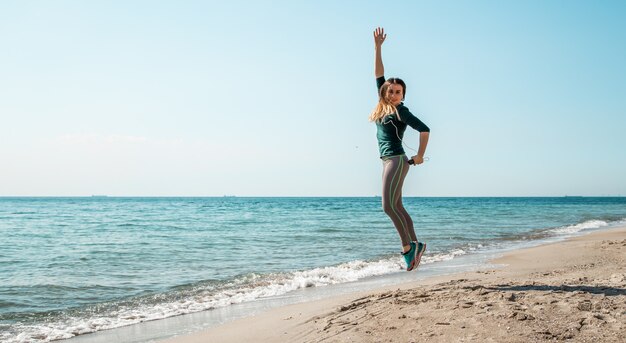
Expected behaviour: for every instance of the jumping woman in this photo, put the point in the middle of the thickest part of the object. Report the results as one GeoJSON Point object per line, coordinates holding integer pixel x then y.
{"type": "Point", "coordinates": [391, 118]}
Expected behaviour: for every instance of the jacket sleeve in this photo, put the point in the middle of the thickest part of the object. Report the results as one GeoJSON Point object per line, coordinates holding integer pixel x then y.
{"type": "Point", "coordinates": [407, 117]}
{"type": "Point", "coordinates": [379, 83]}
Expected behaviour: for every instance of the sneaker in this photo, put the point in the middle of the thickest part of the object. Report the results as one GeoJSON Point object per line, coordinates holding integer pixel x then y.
{"type": "Point", "coordinates": [421, 247]}
{"type": "Point", "coordinates": [409, 257]}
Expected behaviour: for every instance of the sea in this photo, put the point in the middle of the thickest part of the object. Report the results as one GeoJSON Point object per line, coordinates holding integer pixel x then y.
{"type": "Point", "coordinates": [79, 268]}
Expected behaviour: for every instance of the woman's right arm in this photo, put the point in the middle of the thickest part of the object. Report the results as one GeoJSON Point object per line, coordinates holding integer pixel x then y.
{"type": "Point", "coordinates": [379, 38]}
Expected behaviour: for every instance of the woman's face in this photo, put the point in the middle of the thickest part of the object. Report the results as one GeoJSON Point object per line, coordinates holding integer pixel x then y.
{"type": "Point", "coordinates": [394, 94]}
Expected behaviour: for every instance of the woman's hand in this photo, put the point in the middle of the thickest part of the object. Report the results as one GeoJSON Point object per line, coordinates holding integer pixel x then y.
{"type": "Point", "coordinates": [379, 36]}
{"type": "Point", "coordinates": [417, 159]}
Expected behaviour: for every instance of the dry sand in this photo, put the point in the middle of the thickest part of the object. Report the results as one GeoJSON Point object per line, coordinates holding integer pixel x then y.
{"type": "Point", "coordinates": [572, 291]}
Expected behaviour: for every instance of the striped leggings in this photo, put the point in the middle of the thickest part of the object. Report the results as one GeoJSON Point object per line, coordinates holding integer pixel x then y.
{"type": "Point", "coordinates": [395, 169]}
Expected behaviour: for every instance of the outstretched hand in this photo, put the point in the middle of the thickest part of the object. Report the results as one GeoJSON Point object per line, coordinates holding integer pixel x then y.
{"type": "Point", "coordinates": [379, 36]}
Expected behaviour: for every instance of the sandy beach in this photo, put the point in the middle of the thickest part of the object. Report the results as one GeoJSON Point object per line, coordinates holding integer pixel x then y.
{"type": "Point", "coordinates": [574, 290]}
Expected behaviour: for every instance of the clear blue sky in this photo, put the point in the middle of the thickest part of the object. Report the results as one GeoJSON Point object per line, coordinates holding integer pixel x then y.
{"type": "Point", "coordinates": [271, 98]}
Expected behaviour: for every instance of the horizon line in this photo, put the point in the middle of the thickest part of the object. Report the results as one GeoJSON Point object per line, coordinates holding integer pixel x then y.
{"type": "Point", "coordinates": [306, 196]}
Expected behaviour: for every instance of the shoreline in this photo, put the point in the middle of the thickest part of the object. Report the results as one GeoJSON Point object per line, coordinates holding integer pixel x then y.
{"type": "Point", "coordinates": [545, 284]}
{"type": "Point", "coordinates": [178, 276]}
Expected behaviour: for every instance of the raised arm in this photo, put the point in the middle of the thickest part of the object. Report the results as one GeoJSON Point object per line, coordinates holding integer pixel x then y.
{"type": "Point", "coordinates": [379, 38]}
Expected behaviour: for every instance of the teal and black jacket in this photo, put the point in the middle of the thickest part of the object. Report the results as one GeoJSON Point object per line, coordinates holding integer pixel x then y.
{"type": "Point", "coordinates": [390, 130]}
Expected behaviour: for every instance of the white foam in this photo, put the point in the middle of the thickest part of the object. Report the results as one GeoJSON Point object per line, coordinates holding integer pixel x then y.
{"type": "Point", "coordinates": [444, 257]}
{"type": "Point", "coordinates": [620, 222]}
{"type": "Point", "coordinates": [571, 229]}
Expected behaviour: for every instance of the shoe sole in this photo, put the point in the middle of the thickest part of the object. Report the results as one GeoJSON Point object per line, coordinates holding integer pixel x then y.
{"type": "Point", "coordinates": [418, 257]}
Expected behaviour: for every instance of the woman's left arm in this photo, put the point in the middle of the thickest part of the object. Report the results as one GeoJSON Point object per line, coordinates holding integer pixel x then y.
{"type": "Point", "coordinates": [419, 158]}
{"type": "Point", "coordinates": [411, 120]}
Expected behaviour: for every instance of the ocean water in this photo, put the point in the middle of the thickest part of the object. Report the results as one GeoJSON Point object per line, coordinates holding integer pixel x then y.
{"type": "Point", "coordinates": [73, 266]}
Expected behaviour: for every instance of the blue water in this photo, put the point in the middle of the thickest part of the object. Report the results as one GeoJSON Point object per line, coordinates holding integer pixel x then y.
{"type": "Point", "coordinates": [71, 266]}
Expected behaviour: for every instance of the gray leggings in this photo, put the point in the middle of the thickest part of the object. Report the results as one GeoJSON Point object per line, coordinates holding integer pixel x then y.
{"type": "Point", "coordinates": [395, 169]}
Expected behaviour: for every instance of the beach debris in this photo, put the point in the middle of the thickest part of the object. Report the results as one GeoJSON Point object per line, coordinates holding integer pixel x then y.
{"type": "Point", "coordinates": [486, 305]}
{"type": "Point", "coordinates": [546, 333]}
{"type": "Point", "coordinates": [585, 305]}
{"type": "Point", "coordinates": [386, 295]}
{"type": "Point", "coordinates": [353, 305]}
{"type": "Point", "coordinates": [484, 292]}
{"type": "Point", "coordinates": [521, 316]}
{"type": "Point", "coordinates": [473, 287]}
{"type": "Point", "coordinates": [467, 304]}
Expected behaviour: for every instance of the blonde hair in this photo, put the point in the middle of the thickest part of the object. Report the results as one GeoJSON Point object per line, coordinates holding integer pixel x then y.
{"type": "Point", "coordinates": [384, 106]}
{"type": "Point", "coordinates": [382, 109]}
